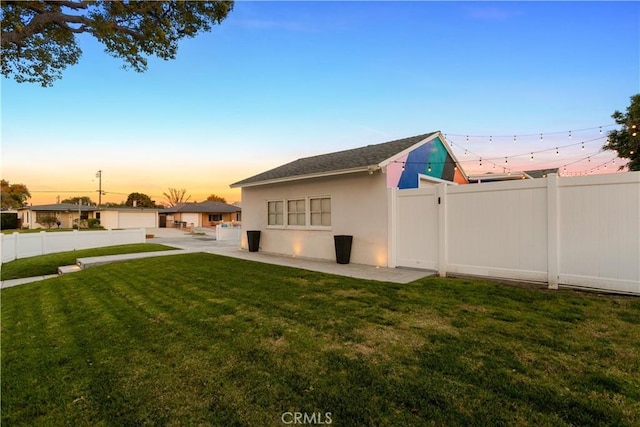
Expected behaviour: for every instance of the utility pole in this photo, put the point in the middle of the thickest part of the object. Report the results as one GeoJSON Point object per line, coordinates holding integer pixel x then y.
{"type": "Point", "coordinates": [99, 176]}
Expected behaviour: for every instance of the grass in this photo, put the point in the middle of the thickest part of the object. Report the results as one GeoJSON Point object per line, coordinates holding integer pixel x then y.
{"type": "Point", "coordinates": [198, 339]}
{"type": "Point", "coordinates": [48, 264]}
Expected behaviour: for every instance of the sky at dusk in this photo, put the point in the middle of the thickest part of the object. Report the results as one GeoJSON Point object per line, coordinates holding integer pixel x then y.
{"type": "Point", "coordinates": [277, 81]}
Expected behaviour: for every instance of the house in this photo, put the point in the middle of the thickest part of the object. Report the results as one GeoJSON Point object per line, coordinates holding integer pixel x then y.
{"type": "Point", "coordinates": [68, 213]}
{"type": "Point", "coordinates": [494, 177]}
{"type": "Point", "coordinates": [203, 214]}
{"type": "Point", "coordinates": [299, 207]}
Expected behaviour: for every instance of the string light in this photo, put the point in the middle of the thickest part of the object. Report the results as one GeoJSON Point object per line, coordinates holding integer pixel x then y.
{"type": "Point", "coordinates": [569, 134]}
{"type": "Point", "coordinates": [532, 157]}
{"type": "Point", "coordinates": [429, 168]}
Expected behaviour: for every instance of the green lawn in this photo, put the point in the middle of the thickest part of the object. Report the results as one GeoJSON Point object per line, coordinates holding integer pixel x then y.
{"type": "Point", "coordinates": [198, 339]}
{"type": "Point", "coordinates": [48, 264]}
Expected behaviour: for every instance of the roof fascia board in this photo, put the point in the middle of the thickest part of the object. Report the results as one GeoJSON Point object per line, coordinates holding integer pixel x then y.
{"type": "Point", "coordinates": [309, 176]}
{"type": "Point", "coordinates": [385, 163]}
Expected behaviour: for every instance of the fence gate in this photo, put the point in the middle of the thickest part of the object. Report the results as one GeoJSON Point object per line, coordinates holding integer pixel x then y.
{"type": "Point", "coordinates": [417, 231]}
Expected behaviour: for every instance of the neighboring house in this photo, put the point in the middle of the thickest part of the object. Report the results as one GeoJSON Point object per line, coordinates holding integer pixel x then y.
{"type": "Point", "coordinates": [494, 177]}
{"type": "Point", "coordinates": [203, 214]}
{"type": "Point", "coordinates": [300, 206]}
{"type": "Point", "coordinates": [110, 217]}
{"type": "Point", "coordinates": [128, 217]}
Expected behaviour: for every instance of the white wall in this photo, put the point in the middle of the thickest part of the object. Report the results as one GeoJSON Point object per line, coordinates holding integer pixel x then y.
{"type": "Point", "coordinates": [24, 245]}
{"type": "Point", "coordinates": [577, 231]}
{"type": "Point", "coordinates": [358, 208]}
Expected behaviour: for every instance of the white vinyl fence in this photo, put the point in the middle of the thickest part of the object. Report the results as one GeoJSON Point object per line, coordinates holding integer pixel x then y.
{"type": "Point", "coordinates": [24, 245]}
{"type": "Point", "coordinates": [228, 232]}
{"type": "Point", "coordinates": [577, 231]}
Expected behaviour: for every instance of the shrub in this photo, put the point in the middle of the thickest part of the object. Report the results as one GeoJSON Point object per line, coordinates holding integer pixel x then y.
{"type": "Point", "coordinates": [8, 220]}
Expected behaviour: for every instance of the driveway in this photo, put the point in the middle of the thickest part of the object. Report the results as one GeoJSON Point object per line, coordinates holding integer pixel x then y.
{"type": "Point", "coordinates": [202, 239]}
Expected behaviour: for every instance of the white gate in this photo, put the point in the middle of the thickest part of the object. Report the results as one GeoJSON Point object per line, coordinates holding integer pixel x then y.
{"type": "Point", "coordinates": [417, 228]}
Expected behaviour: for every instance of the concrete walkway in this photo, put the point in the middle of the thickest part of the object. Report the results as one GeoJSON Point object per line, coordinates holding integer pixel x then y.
{"type": "Point", "coordinates": [188, 243]}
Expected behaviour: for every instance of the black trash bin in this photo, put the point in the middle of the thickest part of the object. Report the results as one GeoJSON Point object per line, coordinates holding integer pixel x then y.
{"type": "Point", "coordinates": [253, 239]}
{"type": "Point", "coordinates": [343, 248]}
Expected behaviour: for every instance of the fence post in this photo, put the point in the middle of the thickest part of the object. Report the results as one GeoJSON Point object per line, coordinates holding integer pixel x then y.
{"type": "Point", "coordinates": [16, 246]}
{"type": "Point", "coordinates": [43, 242]}
{"type": "Point", "coordinates": [552, 231]}
{"type": "Point", "coordinates": [392, 214]}
{"type": "Point", "coordinates": [442, 229]}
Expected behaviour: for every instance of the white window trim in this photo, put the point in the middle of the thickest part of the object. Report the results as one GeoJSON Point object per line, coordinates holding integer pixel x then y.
{"type": "Point", "coordinates": [285, 215]}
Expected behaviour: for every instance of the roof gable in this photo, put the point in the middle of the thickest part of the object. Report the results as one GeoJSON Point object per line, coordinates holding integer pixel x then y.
{"type": "Point", "coordinates": [337, 162]}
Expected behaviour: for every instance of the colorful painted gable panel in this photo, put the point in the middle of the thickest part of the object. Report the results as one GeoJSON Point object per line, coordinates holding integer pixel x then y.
{"type": "Point", "coordinates": [431, 159]}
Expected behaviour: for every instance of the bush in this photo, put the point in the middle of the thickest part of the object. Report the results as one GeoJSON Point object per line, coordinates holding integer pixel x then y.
{"type": "Point", "coordinates": [83, 224]}
{"type": "Point", "coordinates": [8, 220]}
{"type": "Point", "coordinates": [48, 221]}
{"type": "Point", "coordinates": [93, 223]}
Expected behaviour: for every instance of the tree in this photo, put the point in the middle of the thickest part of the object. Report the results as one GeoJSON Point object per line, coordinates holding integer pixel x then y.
{"type": "Point", "coordinates": [216, 198]}
{"type": "Point", "coordinates": [13, 195]}
{"type": "Point", "coordinates": [626, 141]}
{"type": "Point", "coordinates": [85, 200]}
{"type": "Point", "coordinates": [176, 196]}
{"type": "Point", "coordinates": [142, 200]}
{"type": "Point", "coordinates": [39, 37]}
{"type": "Point", "coordinates": [48, 221]}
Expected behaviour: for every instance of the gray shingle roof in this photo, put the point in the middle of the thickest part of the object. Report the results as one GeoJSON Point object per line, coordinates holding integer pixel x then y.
{"type": "Point", "coordinates": [338, 161]}
{"type": "Point", "coordinates": [62, 207]}
{"type": "Point", "coordinates": [541, 173]}
{"type": "Point", "coordinates": [202, 207]}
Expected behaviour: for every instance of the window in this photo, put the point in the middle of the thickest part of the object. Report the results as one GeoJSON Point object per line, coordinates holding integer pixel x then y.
{"type": "Point", "coordinates": [276, 213]}
{"type": "Point", "coordinates": [320, 211]}
{"type": "Point", "coordinates": [296, 212]}
{"type": "Point", "coordinates": [310, 212]}
{"type": "Point", "coordinates": [44, 216]}
{"type": "Point", "coordinates": [215, 217]}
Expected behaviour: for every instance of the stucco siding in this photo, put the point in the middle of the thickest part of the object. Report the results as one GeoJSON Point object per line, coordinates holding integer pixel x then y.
{"type": "Point", "coordinates": [358, 208]}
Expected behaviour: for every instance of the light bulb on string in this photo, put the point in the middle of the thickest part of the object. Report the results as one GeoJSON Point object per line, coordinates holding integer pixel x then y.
{"type": "Point", "coordinates": [467, 139]}
{"type": "Point", "coordinates": [540, 137]}
{"type": "Point", "coordinates": [600, 130]}
{"type": "Point", "coordinates": [532, 157]}
{"type": "Point", "coordinates": [583, 145]}
{"type": "Point", "coordinates": [514, 138]}
{"type": "Point", "coordinates": [569, 134]}
{"type": "Point", "coordinates": [429, 168]}
{"type": "Point", "coordinates": [403, 167]}
{"type": "Point", "coordinates": [557, 151]}
{"type": "Point", "coordinates": [490, 139]}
